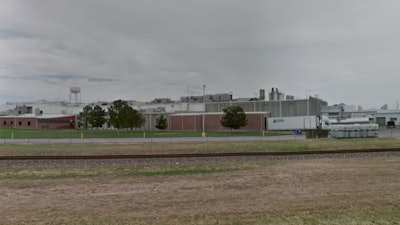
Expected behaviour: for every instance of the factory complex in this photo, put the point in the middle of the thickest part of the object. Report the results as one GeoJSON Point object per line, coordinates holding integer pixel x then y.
{"type": "Point", "coordinates": [188, 113]}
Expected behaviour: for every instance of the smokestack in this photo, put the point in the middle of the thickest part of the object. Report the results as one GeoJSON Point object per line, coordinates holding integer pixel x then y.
{"type": "Point", "coordinates": [262, 94]}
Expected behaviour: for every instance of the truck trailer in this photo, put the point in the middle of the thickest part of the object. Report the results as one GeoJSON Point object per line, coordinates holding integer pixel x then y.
{"type": "Point", "coordinates": [322, 125]}
{"type": "Point", "coordinates": [294, 123]}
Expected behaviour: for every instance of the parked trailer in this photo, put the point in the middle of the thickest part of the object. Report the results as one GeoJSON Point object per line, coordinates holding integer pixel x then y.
{"type": "Point", "coordinates": [316, 125]}
{"type": "Point", "coordinates": [293, 123]}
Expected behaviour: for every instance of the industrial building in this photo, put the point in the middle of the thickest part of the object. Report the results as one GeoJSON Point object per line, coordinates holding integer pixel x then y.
{"type": "Point", "coordinates": [276, 108]}
{"type": "Point", "coordinates": [352, 113]}
{"type": "Point", "coordinates": [188, 115]}
{"type": "Point", "coordinates": [181, 115]}
{"type": "Point", "coordinates": [193, 121]}
{"type": "Point", "coordinates": [38, 121]}
{"type": "Point", "coordinates": [31, 116]}
{"type": "Point", "coordinates": [225, 97]}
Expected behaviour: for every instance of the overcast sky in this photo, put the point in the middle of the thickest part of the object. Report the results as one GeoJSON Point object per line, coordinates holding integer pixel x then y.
{"type": "Point", "coordinates": [346, 51]}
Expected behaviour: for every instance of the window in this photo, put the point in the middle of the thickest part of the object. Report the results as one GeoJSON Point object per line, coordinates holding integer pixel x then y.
{"type": "Point", "coordinates": [391, 124]}
{"type": "Point", "coordinates": [29, 109]}
{"type": "Point", "coordinates": [20, 123]}
{"type": "Point", "coordinates": [4, 122]}
{"type": "Point", "coordinates": [29, 123]}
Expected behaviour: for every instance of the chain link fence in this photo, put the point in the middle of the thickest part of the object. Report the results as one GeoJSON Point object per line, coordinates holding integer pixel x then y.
{"type": "Point", "coordinates": [127, 136]}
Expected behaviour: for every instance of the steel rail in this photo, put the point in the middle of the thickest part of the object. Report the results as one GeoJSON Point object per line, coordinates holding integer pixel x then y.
{"type": "Point", "coordinates": [196, 155]}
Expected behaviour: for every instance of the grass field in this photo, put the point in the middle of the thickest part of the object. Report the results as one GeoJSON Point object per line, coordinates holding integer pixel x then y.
{"type": "Point", "coordinates": [323, 191]}
{"type": "Point", "coordinates": [318, 191]}
{"type": "Point", "coordinates": [72, 133]}
{"type": "Point", "coordinates": [195, 147]}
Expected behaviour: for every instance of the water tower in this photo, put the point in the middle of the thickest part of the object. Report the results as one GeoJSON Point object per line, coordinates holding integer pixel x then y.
{"type": "Point", "coordinates": [76, 91]}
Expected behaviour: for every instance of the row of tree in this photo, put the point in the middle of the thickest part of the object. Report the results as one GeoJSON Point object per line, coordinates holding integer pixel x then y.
{"type": "Point", "coordinates": [122, 116]}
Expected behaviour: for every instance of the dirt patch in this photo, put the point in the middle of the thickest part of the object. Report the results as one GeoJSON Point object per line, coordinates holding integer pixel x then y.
{"type": "Point", "coordinates": [309, 185]}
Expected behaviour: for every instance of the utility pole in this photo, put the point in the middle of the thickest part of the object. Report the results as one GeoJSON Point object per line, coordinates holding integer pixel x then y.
{"type": "Point", "coordinates": [203, 134]}
{"type": "Point", "coordinates": [308, 103]}
{"type": "Point", "coordinates": [188, 99]}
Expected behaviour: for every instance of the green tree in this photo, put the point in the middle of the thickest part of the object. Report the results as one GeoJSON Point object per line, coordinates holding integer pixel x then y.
{"type": "Point", "coordinates": [161, 123]}
{"type": "Point", "coordinates": [234, 117]}
{"type": "Point", "coordinates": [85, 117]}
{"type": "Point", "coordinates": [124, 116]}
{"type": "Point", "coordinates": [97, 117]}
{"type": "Point", "coordinates": [133, 118]}
{"type": "Point", "coordinates": [117, 113]}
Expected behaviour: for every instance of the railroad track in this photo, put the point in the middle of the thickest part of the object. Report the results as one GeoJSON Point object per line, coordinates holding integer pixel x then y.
{"type": "Point", "coordinates": [202, 155]}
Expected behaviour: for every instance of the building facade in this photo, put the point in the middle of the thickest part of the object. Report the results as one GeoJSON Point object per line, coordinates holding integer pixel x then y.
{"type": "Point", "coordinates": [38, 122]}
{"type": "Point", "coordinates": [212, 121]}
{"type": "Point", "coordinates": [49, 115]}
{"type": "Point", "coordinates": [284, 108]}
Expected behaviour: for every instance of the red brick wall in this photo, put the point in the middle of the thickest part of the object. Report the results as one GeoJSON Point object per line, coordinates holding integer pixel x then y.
{"type": "Point", "coordinates": [57, 123]}
{"type": "Point", "coordinates": [26, 122]}
{"type": "Point", "coordinates": [53, 123]}
{"type": "Point", "coordinates": [255, 122]}
{"type": "Point", "coordinates": [21, 109]}
{"type": "Point", "coordinates": [187, 122]}
{"type": "Point", "coordinates": [192, 122]}
{"type": "Point", "coordinates": [18, 122]}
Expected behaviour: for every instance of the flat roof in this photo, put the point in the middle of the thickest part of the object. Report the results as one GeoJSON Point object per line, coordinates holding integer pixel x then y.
{"type": "Point", "coordinates": [45, 116]}
{"type": "Point", "coordinates": [212, 113]}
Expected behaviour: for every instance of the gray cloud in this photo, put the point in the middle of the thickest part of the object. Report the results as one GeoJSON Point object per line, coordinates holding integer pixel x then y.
{"type": "Point", "coordinates": [58, 78]}
{"type": "Point", "coordinates": [345, 51]}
